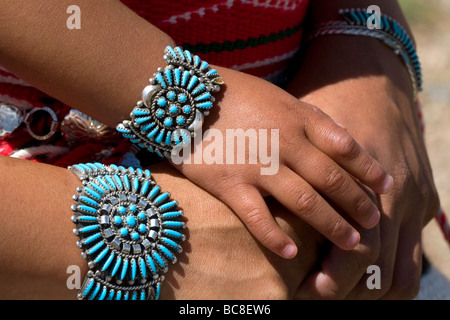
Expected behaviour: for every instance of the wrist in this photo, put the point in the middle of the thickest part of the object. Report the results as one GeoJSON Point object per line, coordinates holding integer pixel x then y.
{"type": "Point", "coordinates": [333, 59]}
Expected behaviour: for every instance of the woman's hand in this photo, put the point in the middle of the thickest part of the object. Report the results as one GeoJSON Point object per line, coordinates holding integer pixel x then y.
{"type": "Point", "coordinates": [318, 162]}
{"type": "Point", "coordinates": [364, 86]}
{"type": "Point", "coordinates": [220, 259]}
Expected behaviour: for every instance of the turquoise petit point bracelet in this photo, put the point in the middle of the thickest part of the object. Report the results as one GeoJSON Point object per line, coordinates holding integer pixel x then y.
{"type": "Point", "coordinates": [129, 231]}
{"type": "Point", "coordinates": [174, 104]}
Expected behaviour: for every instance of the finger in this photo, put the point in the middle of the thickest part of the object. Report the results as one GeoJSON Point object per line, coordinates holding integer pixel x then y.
{"type": "Point", "coordinates": [334, 141]}
{"type": "Point", "coordinates": [246, 201]}
{"type": "Point", "coordinates": [338, 186]}
{"type": "Point", "coordinates": [301, 199]}
{"type": "Point", "coordinates": [341, 270]}
{"type": "Point", "coordinates": [378, 281]}
{"type": "Point", "coordinates": [408, 264]}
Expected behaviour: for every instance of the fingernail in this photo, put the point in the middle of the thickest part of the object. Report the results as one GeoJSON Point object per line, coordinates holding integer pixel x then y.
{"type": "Point", "coordinates": [289, 251]}
{"type": "Point", "coordinates": [373, 219]}
{"type": "Point", "coordinates": [388, 182]}
{"type": "Point", "coordinates": [353, 240]}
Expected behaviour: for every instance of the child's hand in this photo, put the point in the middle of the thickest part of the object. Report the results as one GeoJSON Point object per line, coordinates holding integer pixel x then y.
{"type": "Point", "coordinates": [321, 171]}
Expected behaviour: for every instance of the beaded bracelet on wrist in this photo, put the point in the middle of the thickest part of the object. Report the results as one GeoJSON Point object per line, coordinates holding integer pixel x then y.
{"type": "Point", "coordinates": [390, 33]}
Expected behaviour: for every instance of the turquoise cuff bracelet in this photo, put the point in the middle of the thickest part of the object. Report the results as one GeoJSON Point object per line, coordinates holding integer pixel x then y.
{"type": "Point", "coordinates": [129, 231]}
{"type": "Point", "coordinates": [174, 104]}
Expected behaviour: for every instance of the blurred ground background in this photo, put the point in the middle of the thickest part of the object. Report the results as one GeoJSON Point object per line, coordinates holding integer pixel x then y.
{"type": "Point", "coordinates": [430, 23]}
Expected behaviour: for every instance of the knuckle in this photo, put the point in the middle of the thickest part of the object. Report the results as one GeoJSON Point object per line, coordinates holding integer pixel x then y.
{"type": "Point", "coordinates": [363, 205]}
{"type": "Point", "coordinates": [338, 228]}
{"type": "Point", "coordinates": [335, 180]}
{"type": "Point", "coordinates": [403, 175]}
{"type": "Point", "coordinates": [306, 203]}
{"type": "Point", "coordinates": [254, 218]}
{"type": "Point", "coordinates": [422, 187]}
{"type": "Point", "coordinates": [373, 171]}
{"type": "Point", "coordinates": [430, 197]}
{"type": "Point", "coordinates": [256, 221]}
{"type": "Point", "coordinates": [346, 146]}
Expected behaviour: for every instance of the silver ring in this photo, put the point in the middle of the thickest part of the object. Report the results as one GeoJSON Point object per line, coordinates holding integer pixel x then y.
{"type": "Point", "coordinates": [53, 126]}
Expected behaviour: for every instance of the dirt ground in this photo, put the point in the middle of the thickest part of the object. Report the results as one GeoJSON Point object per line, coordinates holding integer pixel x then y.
{"type": "Point", "coordinates": [430, 24]}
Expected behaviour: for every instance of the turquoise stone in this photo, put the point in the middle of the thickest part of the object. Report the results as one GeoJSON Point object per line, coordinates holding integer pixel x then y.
{"type": "Point", "coordinates": [117, 219]}
{"type": "Point", "coordinates": [140, 112]}
{"type": "Point", "coordinates": [177, 74]}
{"type": "Point", "coordinates": [168, 138]}
{"type": "Point", "coordinates": [124, 269]}
{"type": "Point", "coordinates": [187, 109]}
{"type": "Point", "coordinates": [168, 122]}
{"type": "Point", "coordinates": [181, 120]}
{"type": "Point", "coordinates": [142, 228]}
{"type": "Point", "coordinates": [184, 78]}
{"type": "Point", "coordinates": [122, 209]}
{"type": "Point", "coordinates": [131, 221]}
{"type": "Point", "coordinates": [142, 119]}
{"type": "Point", "coordinates": [145, 186]}
{"type": "Point", "coordinates": [206, 105]}
{"type": "Point", "coordinates": [123, 231]}
{"type": "Point", "coordinates": [166, 252]}
{"type": "Point", "coordinates": [133, 269]}
{"type": "Point", "coordinates": [171, 95]}
{"type": "Point", "coordinates": [88, 287]}
{"type": "Point", "coordinates": [162, 102]}
{"type": "Point", "coordinates": [141, 215]}
{"type": "Point", "coordinates": [160, 137]}
{"type": "Point", "coordinates": [160, 80]}
{"type": "Point", "coordinates": [159, 113]}
{"type": "Point", "coordinates": [92, 238]}
{"type": "Point", "coordinates": [92, 193]}
{"type": "Point", "coordinates": [198, 89]}
{"type": "Point", "coordinates": [192, 82]}
{"type": "Point", "coordinates": [182, 97]}
{"type": "Point", "coordinates": [142, 267]}
{"type": "Point", "coordinates": [87, 208]}
{"type": "Point", "coordinates": [134, 235]}
{"type": "Point", "coordinates": [89, 228]}
{"type": "Point", "coordinates": [116, 266]}
{"type": "Point", "coordinates": [168, 74]}
{"type": "Point", "coordinates": [173, 108]}
{"type": "Point", "coordinates": [203, 96]}
{"type": "Point", "coordinates": [108, 262]}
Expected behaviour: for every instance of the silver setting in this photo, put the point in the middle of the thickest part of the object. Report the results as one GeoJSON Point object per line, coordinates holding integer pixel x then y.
{"type": "Point", "coordinates": [128, 235]}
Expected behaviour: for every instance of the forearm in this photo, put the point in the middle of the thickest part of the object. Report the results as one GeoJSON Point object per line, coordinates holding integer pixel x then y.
{"type": "Point", "coordinates": [100, 69]}
{"type": "Point", "coordinates": [37, 245]}
{"type": "Point", "coordinates": [221, 260]}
